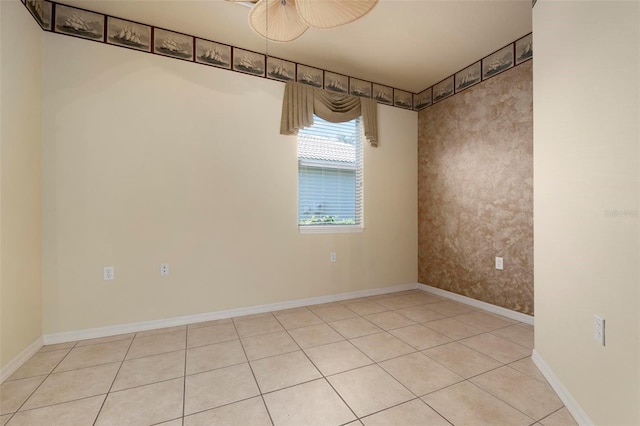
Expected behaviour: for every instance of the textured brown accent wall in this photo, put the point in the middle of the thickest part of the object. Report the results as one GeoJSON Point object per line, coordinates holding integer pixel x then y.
{"type": "Point", "coordinates": [475, 191]}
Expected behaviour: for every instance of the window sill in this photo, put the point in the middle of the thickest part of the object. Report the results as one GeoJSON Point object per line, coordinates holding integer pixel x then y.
{"type": "Point", "coordinates": [330, 229]}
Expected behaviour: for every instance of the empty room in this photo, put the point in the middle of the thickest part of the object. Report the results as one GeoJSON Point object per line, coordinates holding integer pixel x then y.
{"type": "Point", "coordinates": [319, 212]}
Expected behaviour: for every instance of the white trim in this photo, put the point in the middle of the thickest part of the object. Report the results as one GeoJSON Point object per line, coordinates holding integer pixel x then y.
{"type": "Point", "coordinates": [325, 164]}
{"type": "Point", "coordinates": [112, 330]}
{"type": "Point", "coordinates": [330, 229]}
{"type": "Point", "coordinates": [518, 316]}
{"type": "Point", "coordinates": [20, 359]}
{"type": "Point", "coordinates": [572, 405]}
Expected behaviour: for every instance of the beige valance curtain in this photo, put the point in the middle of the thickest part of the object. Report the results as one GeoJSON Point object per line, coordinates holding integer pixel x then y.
{"type": "Point", "coordinates": [301, 101]}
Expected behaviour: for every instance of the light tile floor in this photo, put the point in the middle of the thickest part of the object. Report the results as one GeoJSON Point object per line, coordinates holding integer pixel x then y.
{"type": "Point", "coordinates": [407, 358]}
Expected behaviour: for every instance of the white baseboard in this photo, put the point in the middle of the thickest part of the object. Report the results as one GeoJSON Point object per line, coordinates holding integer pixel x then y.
{"type": "Point", "coordinates": [112, 330]}
{"type": "Point", "coordinates": [574, 408]}
{"type": "Point", "coordinates": [518, 316]}
{"type": "Point", "coordinates": [20, 359]}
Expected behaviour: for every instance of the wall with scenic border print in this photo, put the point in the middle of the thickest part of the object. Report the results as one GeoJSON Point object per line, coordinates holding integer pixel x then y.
{"type": "Point", "coordinates": [475, 186]}
{"type": "Point", "coordinates": [150, 160]}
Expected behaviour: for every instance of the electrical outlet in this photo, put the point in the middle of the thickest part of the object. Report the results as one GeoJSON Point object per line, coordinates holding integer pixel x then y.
{"type": "Point", "coordinates": [499, 263]}
{"type": "Point", "coordinates": [332, 257]}
{"type": "Point", "coordinates": [109, 273]}
{"type": "Point", "coordinates": [598, 329]}
{"type": "Point", "coordinates": [164, 269]}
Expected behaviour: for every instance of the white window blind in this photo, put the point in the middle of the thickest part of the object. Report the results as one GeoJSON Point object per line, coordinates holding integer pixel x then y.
{"type": "Point", "coordinates": [330, 174]}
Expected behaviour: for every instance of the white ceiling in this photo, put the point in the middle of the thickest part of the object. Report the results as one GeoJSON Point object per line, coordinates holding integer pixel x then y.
{"type": "Point", "coordinates": [408, 44]}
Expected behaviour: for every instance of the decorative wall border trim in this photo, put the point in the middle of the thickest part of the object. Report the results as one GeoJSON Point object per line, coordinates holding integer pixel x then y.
{"type": "Point", "coordinates": [507, 57]}
{"type": "Point", "coordinates": [88, 25]}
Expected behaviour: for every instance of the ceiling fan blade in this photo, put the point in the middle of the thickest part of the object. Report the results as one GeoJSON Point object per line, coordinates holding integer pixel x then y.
{"type": "Point", "coordinates": [277, 20]}
{"type": "Point", "coordinates": [324, 14]}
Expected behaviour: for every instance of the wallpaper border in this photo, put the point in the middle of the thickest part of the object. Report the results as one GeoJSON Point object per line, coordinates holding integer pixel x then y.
{"type": "Point", "coordinates": [98, 27]}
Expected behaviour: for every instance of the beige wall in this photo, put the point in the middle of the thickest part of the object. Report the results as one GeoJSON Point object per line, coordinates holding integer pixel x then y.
{"type": "Point", "coordinates": [475, 191]}
{"type": "Point", "coordinates": [586, 192]}
{"type": "Point", "coordinates": [148, 159]}
{"type": "Point", "coordinates": [20, 283]}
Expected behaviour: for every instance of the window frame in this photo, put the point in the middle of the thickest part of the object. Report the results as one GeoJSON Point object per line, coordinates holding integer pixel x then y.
{"type": "Point", "coordinates": [359, 194]}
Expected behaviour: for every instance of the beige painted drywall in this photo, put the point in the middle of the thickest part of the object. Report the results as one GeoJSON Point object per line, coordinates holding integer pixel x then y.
{"type": "Point", "coordinates": [586, 201]}
{"type": "Point", "coordinates": [148, 159]}
{"type": "Point", "coordinates": [20, 283]}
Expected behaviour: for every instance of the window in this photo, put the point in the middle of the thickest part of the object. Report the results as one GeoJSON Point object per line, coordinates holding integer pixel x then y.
{"type": "Point", "coordinates": [330, 176]}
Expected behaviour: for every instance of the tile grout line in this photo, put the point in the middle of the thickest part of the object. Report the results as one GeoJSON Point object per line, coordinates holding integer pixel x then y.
{"type": "Point", "coordinates": [264, 403]}
{"type": "Point", "coordinates": [114, 380]}
{"type": "Point", "coordinates": [41, 383]}
{"type": "Point", "coordinates": [322, 376]}
{"type": "Point", "coordinates": [184, 374]}
{"type": "Point", "coordinates": [505, 402]}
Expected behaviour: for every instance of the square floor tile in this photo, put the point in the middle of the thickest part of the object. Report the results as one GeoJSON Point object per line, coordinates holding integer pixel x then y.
{"type": "Point", "coordinates": [219, 387]}
{"type": "Point", "coordinates": [57, 346]}
{"type": "Point", "coordinates": [365, 307]}
{"type": "Point", "coordinates": [484, 320]}
{"type": "Point", "coordinates": [561, 417]}
{"type": "Point", "coordinates": [425, 297]}
{"type": "Point", "coordinates": [333, 312]}
{"type": "Point", "coordinates": [420, 313]}
{"type": "Point", "coordinates": [270, 344]}
{"type": "Point", "coordinates": [281, 371]}
{"type": "Point", "coordinates": [254, 325]}
{"type": "Point", "coordinates": [315, 335]}
{"type": "Point", "coordinates": [383, 296]}
{"type": "Point", "coordinates": [532, 397]}
{"type": "Point", "coordinates": [453, 329]}
{"type": "Point", "coordinates": [39, 364]}
{"type": "Point", "coordinates": [517, 334]}
{"type": "Point", "coordinates": [526, 366]}
{"type": "Point", "coordinates": [412, 413]}
{"type": "Point", "coordinates": [369, 389]}
{"type": "Point", "coordinates": [382, 346]}
{"type": "Point", "coordinates": [74, 384]}
{"type": "Point", "coordinates": [107, 339]}
{"type": "Point", "coordinates": [420, 337]}
{"type": "Point", "coordinates": [208, 335]}
{"type": "Point", "coordinates": [450, 308]}
{"type": "Point", "coordinates": [398, 302]}
{"type": "Point", "coordinates": [156, 331]}
{"type": "Point", "coordinates": [80, 412]}
{"type": "Point", "coordinates": [419, 373]}
{"type": "Point", "coordinates": [467, 404]}
{"type": "Point", "coordinates": [337, 357]}
{"type": "Point", "coordinates": [210, 357]}
{"type": "Point", "coordinates": [174, 422]}
{"type": "Point", "coordinates": [497, 348]}
{"type": "Point", "coordinates": [310, 404]}
{"type": "Point", "coordinates": [389, 320]}
{"type": "Point", "coordinates": [157, 343]}
{"type": "Point", "coordinates": [14, 393]}
{"type": "Point", "coordinates": [250, 412]}
{"type": "Point", "coordinates": [354, 327]}
{"type": "Point", "coordinates": [144, 405]}
{"type": "Point", "coordinates": [462, 360]}
{"type": "Point", "coordinates": [149, 369]}
{"type": "Point", "coordinates": [92, 355]}
{"type": "Point", "coordinates": [209, 323]}
{"type": "Point", "coordinates": [298, 319]}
